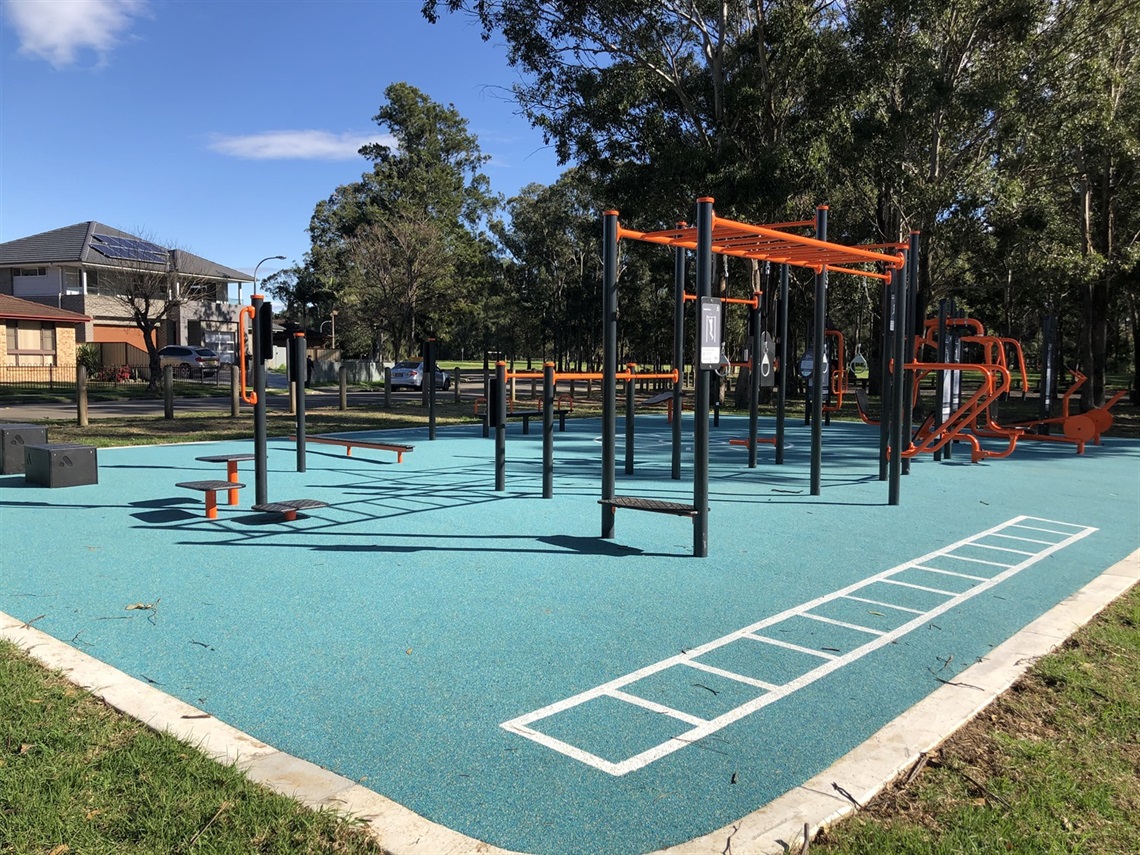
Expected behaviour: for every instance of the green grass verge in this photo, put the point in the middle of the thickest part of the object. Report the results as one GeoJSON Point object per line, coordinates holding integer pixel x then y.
{"type": "Point", "coordinates": [75, 776]}
{"type": "Point", "coordinates": [1053, 766]}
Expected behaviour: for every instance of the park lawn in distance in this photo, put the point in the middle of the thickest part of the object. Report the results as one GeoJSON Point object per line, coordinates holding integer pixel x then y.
{"type": "Point", "coordinates": [76, 776]}
{"type": "Point", "coordinates": [1051, 766]}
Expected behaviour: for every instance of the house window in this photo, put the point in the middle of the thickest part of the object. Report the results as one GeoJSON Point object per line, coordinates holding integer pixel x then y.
{"type": "Point", "coordinates": [32, 271]}
{"type": "Point", "coordinates": [31, 343]}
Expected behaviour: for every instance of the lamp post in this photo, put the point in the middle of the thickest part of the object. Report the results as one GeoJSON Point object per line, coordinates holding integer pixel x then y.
{"type": "Point", "coordinates": [255, 269]}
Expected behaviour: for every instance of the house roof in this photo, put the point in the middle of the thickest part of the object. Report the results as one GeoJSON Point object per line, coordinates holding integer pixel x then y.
{"type": "Point", "coordinates": [86, 244]}
{"type": "Point", "coordinates": [13, 308]}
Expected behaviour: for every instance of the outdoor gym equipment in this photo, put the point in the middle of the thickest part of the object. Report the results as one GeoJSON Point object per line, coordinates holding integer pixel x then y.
{"type": "Point", "coordinates": [773, 243]}
{"type": "Point", "coordinates": [550, 379]}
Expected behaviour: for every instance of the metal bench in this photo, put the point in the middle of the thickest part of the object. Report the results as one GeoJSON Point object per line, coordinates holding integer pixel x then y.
{"type": "Point", "coordinates": [211, 488]}
{"type": "Point", "coordinates": [656, 506]}
{"type": "Point", "coordinates": [231, 461]}
{"type": "Point", "coordinates": [289, 507]}
{"type": "Point", "coordinates": [350, 444]}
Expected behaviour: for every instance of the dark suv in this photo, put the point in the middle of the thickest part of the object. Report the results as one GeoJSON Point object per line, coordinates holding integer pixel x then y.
{"type": "Point", "coordinates": [189, 361]}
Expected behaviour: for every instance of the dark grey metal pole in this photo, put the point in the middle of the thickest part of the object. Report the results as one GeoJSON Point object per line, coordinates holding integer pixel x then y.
{"type": "Point", "coordinates": [609, 365]}
{"type": "Point", "coordinates": [679, 258]}
{"type": "Point", "coordinates": [818, 374]}
{"type": "Point", "coordinates": [342, 381]}
{"type": "Point", "coordinates": [300, 364]}
{"type": "Point", "coordinates": [701, 386]}
{"type": "Point", "coordinates": [548, 430]}
{"type": "Point", "coordinates": [898, 278]}
{"type": "Point", "coordinates": [785, 373]}
{"type": "Point", "coordinates": [630, 406]}
{"type": "Point", "coordinates": [168, 391]}
{"type": "Point", "coordinates": [429, 368]}
{"type": "Point", "coordinates": [886, 348]}
{"type": "Point", "coordinates": [913, 327]}
{"type": "Point", "coordinates": [500, 405]}
{"type": "Point", "coordinates": [260, 452]}
{"type": "Point", "coordinates": [81, 395]}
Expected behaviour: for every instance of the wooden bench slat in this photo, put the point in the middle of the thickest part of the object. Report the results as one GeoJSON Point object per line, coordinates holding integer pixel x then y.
{"type": "Point", "coordinates": [659, 506]}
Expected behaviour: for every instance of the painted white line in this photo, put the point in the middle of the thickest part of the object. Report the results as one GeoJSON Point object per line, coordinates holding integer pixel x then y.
{"type": "Point", "coordinates": [521, 724]}
{"type": "Point", "coordinates": [731, 675]}
{"type": "Point", "coordinates": [979, 561]}
{"type": "Point", "coordinates": [1023, 540]}
{"type": "Point", "coordinates": [834, 622]}
{"type": "Point", "coordinates": [655, 707]}
{"type": "Point", "coordinates": [1038, 528]}
{"type": "Point", "coordinates": [884, 605]}
{"type": "Point", "coordinates": [1001, 549]}
{"type": "Point", "coordinates": [918, 587]}
{"type": "Point", "coordinates": [789, 646]}
{"type": "Point", "coordinates": [950, 573]}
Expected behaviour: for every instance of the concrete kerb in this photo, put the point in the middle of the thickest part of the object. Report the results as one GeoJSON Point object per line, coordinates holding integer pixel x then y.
{"type": "Point", "coordinates": [775, 828]}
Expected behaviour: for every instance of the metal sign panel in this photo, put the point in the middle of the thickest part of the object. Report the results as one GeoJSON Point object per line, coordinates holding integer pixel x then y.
{"type": "Point", "coordinates": [710, 334]}
{"type": "Point", "coordinates": [766, 361]}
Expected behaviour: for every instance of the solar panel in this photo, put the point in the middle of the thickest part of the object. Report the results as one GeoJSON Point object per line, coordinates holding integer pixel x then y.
{"type": "Point", "coordinates": [113, 246]}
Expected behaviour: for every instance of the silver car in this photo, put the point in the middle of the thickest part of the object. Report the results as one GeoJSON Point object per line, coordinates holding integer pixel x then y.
{"type": "Point", "coordinates": [410, 374]}
{"type": "Point", "coordinates": [189, 361]}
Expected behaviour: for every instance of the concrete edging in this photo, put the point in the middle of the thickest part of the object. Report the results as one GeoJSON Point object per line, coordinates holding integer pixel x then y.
{"type": "Point", "coordinates": [774, 828]}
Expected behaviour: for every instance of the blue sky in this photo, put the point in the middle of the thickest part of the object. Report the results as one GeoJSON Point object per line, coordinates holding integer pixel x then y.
{"type": "Point", "coordinates": [217, 126]}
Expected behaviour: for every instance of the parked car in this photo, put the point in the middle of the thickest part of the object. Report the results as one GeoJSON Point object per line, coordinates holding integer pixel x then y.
{"type": "Point", "coordinates": [410, 375]}
{"type": "Point", "coordinates": [189, 361]}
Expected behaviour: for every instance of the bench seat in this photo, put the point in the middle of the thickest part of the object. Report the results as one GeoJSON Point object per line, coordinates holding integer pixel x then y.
{"type": "Point", "coordinates": [211, 488]}
{"type": "Point", "coordinates": [657, 506]}
{"type": "Point", "coordinates": [349, 444]}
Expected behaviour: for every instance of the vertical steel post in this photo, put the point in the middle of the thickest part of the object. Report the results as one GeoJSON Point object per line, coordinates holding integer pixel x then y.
{"type": "Point", "coordinates": [500, 405]}
{"type": "Point", "coordinates": [886, 348]}
{"type": "Point", "coordinates": [701, 386]}
{"type": "Point", "coordinates": [609, 364]}
{"type": "Point", "coordinates": [679, 258]}
{"type": "Point", "coordinates": [630, 406]}
{"type": "Point", "coordinates": [548, 430]}
{"type": "Point", "coordinates": [429, 371]}
{"type": "Point", "coordinates": [913, 328]}
{"type": "Point", "coordinates": [898, 277]}
{"type": "Point", "coordinates": [300, 364]}
{"type": "Point", "coordinates": [782, 356]}
{"type": "Point", "coordinates": [817, 372]}
{"type": "Point", "coordinates": [261, 479]}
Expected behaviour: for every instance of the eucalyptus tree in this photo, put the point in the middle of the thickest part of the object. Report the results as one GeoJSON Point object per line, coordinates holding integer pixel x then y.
{"type": "Point", "coordinates": [398, 242]}
{"type": "Point", "coordinates": [552, 241]}
{"type": "Point", "coordinates": [667, 101]}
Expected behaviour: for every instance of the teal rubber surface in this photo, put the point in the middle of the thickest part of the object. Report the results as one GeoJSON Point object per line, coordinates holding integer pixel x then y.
{"type": "Point", "coordinates": [391, 635]}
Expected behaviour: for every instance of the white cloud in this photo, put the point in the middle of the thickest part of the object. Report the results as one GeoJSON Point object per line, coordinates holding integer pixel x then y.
{"type": "Point", "coordinates": [57, 30]}
{"type": "Point", "coordinates": [298, 145]}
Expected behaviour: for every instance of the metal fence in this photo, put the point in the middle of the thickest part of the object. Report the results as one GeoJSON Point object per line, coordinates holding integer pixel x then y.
{"type": "Point", "coordinates": [60, 379]}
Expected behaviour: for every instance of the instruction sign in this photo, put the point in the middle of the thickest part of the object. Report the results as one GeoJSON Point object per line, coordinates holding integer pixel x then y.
{"type": "Point", "coordinates": [710, 339]}
{"type": "Point", "coordinates": [766, 362]}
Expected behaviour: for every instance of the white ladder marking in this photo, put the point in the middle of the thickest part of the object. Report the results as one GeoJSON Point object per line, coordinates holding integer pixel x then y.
{"type": "Point", "coordinates": [655, 707]}
{"type": "Point", "coordinates": [918, 587]}
{"type": "Point", "coordinates": [789, 646]}
{"type": "Point", "coordinates": [884, 605]}
{"type": "Point", "coordinates": [853, 626]}
{"type": "Point", "coordinates": [705, 728]}
{"type": "Point", "coordinates": [731, 675]}
{"type": "Point", "coordinates": [951, 573]}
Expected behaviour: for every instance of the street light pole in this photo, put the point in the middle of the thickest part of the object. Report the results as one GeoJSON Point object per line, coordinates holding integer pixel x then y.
{"type": "Point", "coordinates": [255, 269]}
{"type": "Point", "coordinates": [332, 315]}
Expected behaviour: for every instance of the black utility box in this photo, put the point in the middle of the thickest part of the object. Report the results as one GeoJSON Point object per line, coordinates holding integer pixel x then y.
{"type": "Point", "coordinates": [14, 439]}
{"type": "Point", "coordinates": [65, 464]}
